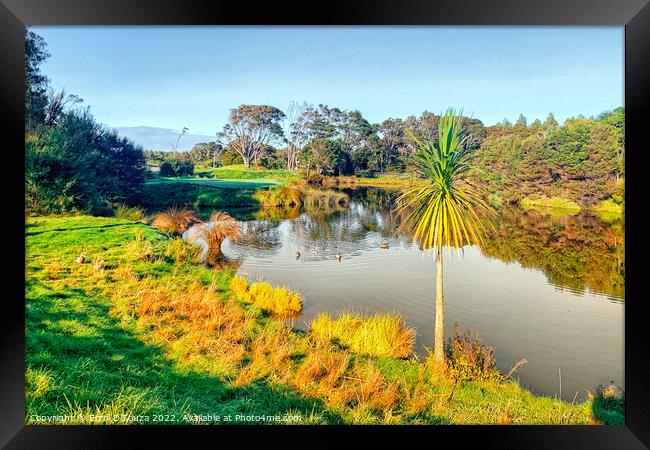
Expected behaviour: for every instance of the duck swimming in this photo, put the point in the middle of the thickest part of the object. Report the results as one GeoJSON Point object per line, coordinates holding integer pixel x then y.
{"type": "Point", "coordinates": [384, 245]}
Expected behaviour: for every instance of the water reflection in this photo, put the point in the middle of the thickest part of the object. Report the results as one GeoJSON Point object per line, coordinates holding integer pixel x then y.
{"type": "Point", "coordinates": [578, 252]}
{"type": "Point", "coordinates": [547, 288]}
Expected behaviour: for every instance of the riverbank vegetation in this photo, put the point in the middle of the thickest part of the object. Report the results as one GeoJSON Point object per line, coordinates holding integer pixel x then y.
{"type": "Point", "coordinates": [580, 161]}
{"type": "Point", "coordinates": [123, 318]}
{"type": "Point", "coordinates": [151, 334]}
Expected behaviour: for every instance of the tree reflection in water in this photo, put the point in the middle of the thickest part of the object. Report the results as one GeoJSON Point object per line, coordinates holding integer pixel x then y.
{"type": "Point", "coordinates": [576, 252]}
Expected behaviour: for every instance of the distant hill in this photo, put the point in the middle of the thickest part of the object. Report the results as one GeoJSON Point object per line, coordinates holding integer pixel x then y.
{"type": "Point", "coordinates": [152, 138]}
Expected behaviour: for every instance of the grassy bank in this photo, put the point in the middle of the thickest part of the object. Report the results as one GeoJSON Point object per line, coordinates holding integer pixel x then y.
{"type": "Point", "coordinates": [199, 194]}
{"type": "Point", "coordinates": [151, 332]}
{"type": "Point", "coordinates": [240, 172]}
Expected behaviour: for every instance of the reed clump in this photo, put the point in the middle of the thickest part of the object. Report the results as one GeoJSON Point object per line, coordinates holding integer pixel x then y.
{"type": "Point", "coordinates": [379, 335]}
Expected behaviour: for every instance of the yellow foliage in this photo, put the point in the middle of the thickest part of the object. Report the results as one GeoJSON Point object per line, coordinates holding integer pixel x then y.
{"type": "Point", "coordinates": [278, 300]}
{"type": "Point", "coordinates": [380, 335]}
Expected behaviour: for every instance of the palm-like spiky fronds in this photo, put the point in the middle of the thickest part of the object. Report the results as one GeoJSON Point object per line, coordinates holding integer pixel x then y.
{"type": "Point", "coordinates": [446, 211]}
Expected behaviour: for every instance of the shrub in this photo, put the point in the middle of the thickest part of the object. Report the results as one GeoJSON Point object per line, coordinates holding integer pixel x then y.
{"type": "Point", "coordinates": [380, 335]}
{"type": "Point", "coordinates": [468, 358]}
{"type": "Point", "coordinates": [174, 221]}
{"type": "Point", "coordinates": [608, 405]}
{"type": "Point", "coordinates": [313, 179]}
{"type": "Point", "coordinates": [609, 207]}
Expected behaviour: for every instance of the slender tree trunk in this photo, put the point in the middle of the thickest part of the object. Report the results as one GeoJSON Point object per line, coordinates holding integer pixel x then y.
{"type": "Point", "coordinates": [247, 161]}
{"type": "Point", "coordinates": [439, 332]}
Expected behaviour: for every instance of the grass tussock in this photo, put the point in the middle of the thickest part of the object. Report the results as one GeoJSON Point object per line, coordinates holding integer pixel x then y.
{"type": "Point", "coordinates": [130, 213]}
{"type": "Point", "coordinates": [219, 227]}
{"type": "Point", "coordinates": [174, 221]}
{"type": "Point", "coordinates": [380, 335]}
{"type": "Point", "coordinates": [277, 300]}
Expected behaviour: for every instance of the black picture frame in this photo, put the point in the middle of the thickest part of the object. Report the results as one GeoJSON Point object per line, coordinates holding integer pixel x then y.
{"type": "Point", "coordinates": [634, 15]}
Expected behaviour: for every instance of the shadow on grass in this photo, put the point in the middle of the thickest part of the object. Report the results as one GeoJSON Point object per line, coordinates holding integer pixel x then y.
{"type": "Point", "coordinates": [164, 195]}
{"type": "Point", "coordinates": [101, 228]}
{"type": "Point", "coordinates": [80, 360]}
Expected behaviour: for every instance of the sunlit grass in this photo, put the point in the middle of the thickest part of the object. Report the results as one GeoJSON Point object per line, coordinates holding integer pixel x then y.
{"type": "Point", "coordinates": [380, 335]}
{"type": "Point", "coordinates": [278, 300]}
{"type": "Point", "coordinates": [163, 335]}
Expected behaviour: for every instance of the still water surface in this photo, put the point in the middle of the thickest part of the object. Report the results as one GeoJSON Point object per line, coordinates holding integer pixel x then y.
{"type": "Point", "coordinates": [547, 288]}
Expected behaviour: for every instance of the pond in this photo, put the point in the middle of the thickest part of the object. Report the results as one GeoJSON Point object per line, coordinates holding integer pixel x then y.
{"type": "Point", "coordinates": [545, 287]}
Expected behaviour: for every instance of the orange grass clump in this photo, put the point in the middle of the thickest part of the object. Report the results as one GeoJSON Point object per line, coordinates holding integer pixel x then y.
{"type": "Point", "coordinates": [220, 226]}
{"type": "Point", "coordinates": [174, 221]}
{"type": "Point", "coordinates": [197, 325]}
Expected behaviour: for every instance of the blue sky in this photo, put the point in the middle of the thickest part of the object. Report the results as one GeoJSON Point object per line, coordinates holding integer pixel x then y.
{"type": "Point", "coordinates": [172, 77]}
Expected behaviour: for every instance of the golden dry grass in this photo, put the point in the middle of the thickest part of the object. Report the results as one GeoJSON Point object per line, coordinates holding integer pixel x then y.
{"type": "Point", "coordinates": [380, 335]}
{"type": "Point", "coordinates": [193, 321]}
{"type": "Point", "coordinates": [278, 300]}
{"type": "Point", "coordinates": [174, 221]}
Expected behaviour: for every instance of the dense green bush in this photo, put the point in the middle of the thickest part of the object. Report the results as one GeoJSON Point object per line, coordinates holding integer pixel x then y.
{"type": "Point", "coordinates": [72, 163]}
{"type": "Point", "coordinates": [176, 168]}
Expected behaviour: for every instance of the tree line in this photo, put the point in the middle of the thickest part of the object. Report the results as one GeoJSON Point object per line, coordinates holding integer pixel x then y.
{"type": "Point", "coordinates": [72, 162]}
{"type": "Point", "coordinates": [581, 160]}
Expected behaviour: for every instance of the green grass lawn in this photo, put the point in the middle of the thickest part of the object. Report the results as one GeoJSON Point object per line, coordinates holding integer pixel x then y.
{"type": "Point", "coordinates": [240, 172]}
{"type": "Point", "coordinates": [199, 194]}
{"type": "Point", "coordinates": [155, 334]}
